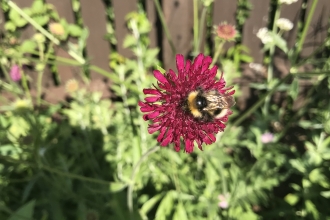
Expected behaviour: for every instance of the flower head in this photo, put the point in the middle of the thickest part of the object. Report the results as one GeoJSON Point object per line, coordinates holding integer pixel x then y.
{"type": "Point", "coordinates": [267, 138]}
{"type": "Point", "coordinates": [71, 86]}
{"type": "Point", "coordinates": [284, 24]}
{"type": "Point", "coordinates": [167, 105]}
{"type": "Point", "coordinates": [226, 31]}
{"type": "Point", "coordinates": [264, 35]}
{"type": "Point", "coordinates": [288, 2]}
{"type": "Point", "coordinates": [15, 73]}
{"type": "Point", "coordinates": [223, 201]}
{"type": "Point", "coordinates": [56, 29]}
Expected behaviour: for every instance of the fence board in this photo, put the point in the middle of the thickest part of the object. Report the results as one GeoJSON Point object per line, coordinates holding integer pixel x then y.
{"type": "Point", "coordinates": [178, 16]}
{"type": "Point", "coordinates": [318, 28]}
{"type": "Point", "coordinates": [98, 49]}
{"type": "Point", "coordinates": [225, 11]}
{"type": "Point", "coordinates": [291, 12]}
{"type": "Point", "coordinates": [121, 9]}
{"type": "Point", "coordinates": [258, 18]}
{"type": "Point", "coordinates": [2, 20]}
{"type": "Point", "coordinates": [64, 9]}
{"type": "Point", "coordinates": [152, 17]}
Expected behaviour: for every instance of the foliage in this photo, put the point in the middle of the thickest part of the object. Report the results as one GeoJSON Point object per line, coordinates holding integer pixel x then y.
{"type": "Point", "coordinates": [92, 158]}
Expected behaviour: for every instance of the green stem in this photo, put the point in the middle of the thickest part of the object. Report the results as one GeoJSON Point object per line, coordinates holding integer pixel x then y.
{"type": "Point", "coordinates": [201, 29]}
{"type": "Point", "coordinates": [217, 53]}
{"type": "Point", "coordinates": [32, 22]}
{"type": "Point", "coordinates": [25, 83]}
{"type": "Point", "coordinates": [258, 103]}
{"type": "Point", "coordinates": [56, 171]}
{"type": "Point", "coordinates": [162, 20]}
{"type": "Point", "coordinates": [270, 72]}
{"type": "Point", "coordinates": [196, 21]}
{"type": "Point", "coordinates": [132, 178]}
{"type": "Point", "coordinates": [42, 30]}
{"type": "Point", "coordinates": [304, 32]}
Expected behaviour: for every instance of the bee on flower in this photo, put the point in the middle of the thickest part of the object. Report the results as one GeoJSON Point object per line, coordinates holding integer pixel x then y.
{"type": "Point", "coordinates": [191, 105]}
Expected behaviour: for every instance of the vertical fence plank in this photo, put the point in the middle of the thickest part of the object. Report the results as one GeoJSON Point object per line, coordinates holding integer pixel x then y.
{"type": "Point", "coordinates": [56, 94]}
{"type": "Point", "coordinates": [64, 9]}
{"type": "Point", "coordinates": [225, 11]}
{"type": "Point", "coordinates": [98, 49]}
{"type": "Point", "coordinates": [318, 28]}
{"type": "Point", "coordinates": [258, 18]}
{"type": "Point", "coordinates": [152, 17]}
{"type": "Point", "coordinates": [178, 16]}
{"type": "Point", "coordinates": [121, 9]}
{"type": "Point", "coordinates": [2, 20]}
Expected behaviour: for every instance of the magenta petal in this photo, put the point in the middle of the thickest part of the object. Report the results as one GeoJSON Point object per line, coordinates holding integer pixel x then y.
{"type": "Point", "coordinates": [180, 62]}
{"type": "Point", "coordinates": [161, 78]}
{"type": "Point", "coordinates": [153, 129]}
{"type": "Point", "coordinates": [151, 92]}
{"type": "Point", "coordinates": [189, 146]}
{"type": "Point", "coordinates": [198, 62]}
{"type": "Point", "coordinates": [152, 99]}
{"type": "Point", "coordinates": [150, 115]}
{"type": "Point", "coordinates": [167, 140]}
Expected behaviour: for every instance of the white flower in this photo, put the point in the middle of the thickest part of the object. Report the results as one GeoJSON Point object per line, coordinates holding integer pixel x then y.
{"type": "Point", "coordinates": [284, 24]}
{"type": "Point", "coordinates": [264, 36]}
{"type": "Point", "coordinates": [288, 2]}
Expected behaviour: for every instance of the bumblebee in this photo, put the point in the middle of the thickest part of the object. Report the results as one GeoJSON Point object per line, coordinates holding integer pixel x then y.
{"type": "Point", "coordinates": [208, 105]}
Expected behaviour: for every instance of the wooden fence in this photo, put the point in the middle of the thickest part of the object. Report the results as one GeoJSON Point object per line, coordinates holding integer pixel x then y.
{"type": "Point", "coordinates": [179, 18]}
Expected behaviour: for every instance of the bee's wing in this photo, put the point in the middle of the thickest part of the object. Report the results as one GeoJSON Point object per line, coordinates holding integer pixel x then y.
{"type": "Point", "coordinates": [219, 101]}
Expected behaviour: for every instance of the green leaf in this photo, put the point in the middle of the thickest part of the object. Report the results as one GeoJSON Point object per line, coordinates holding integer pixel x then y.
{"type": "Point", "coordinates": [180, 213]}
{"type": "Point", "coordinates": [165, 207]}
{"type": "Point", "coordinates": [148, 205]}
{"type": "Point", "coordinates": [117, 186]}
{"type": "Point", "coordinates": [292, 199]}
{"type": "Point", "coordinates": [325, 194]}
{"type": "Point", "coordinates": [129, 41]}
{"type": "Point", "coordinates": [38, 7]}
{"type": "Point", "coordinates": [24, 212]}
{"type": "Point", "coordinates": [74, 30]}
{"type": "Point", "coordinates": [10, 26]}
{"type": "Point", "coordinates": [294, 89]}
{"type": "Point", "coordinates": [28, 46]}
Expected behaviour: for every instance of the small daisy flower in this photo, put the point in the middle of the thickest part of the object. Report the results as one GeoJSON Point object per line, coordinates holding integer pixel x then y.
{"type": "Point", "coordinates": [264, 36]}
{"type": "Point", "coordinates": [288, 2]}
{"type": "Point", "coordinates": [226, 32]}
{"type": "Point", "coordinates": [166, 107]}
{"type": "Point", "coordinates": [71, 86]}
{"type": "Point", "coordinates": [15, 73]}
{"type": "Point", "coordinates": [284, 24]}
{"type": "Point", "coordinates": [223, 201]}
{"type": "Point", "coordinates": [56, 29]}
{"type": "Point", "coordinates": [267, 138]}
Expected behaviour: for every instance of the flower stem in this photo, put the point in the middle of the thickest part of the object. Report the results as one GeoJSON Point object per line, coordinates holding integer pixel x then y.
{"type": "Point", "coordinates": [304, 32]}
{"type": "Point", "coordinates": [25, 84]}
{"type": "Point", "coordinates": [201, 28]}
{"type": "Point", "coordinates": [196, 48]}
{"type": "Point", "coordinates": [132, 178]}
{"type": "Point", "coordinates": [42, 30]}
{"type": "Point", "coordinates": [217, 53]}
{"type": "Point", "coordinates": [270, 72]}
{"type": "Point", "coordinates": [258, 103]}
{"type": "Point", "coordinates": [162, 20]}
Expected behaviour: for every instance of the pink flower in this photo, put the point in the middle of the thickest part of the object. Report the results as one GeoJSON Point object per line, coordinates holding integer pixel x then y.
{"type": "Point", "coordinates": [226, 31]}
{"type": "Point", "coordinates": [15, 73]}
{"type": "Point", "coordinates": [223, 201]}
{"type": "Point", "coordinates": [267, 138]}
{"type": "Point", "coordinates": [166, 105]}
